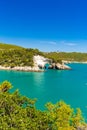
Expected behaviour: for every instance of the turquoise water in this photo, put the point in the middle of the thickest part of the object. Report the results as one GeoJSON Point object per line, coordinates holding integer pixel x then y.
{"type": "Point", "coordinates": [52, 85]}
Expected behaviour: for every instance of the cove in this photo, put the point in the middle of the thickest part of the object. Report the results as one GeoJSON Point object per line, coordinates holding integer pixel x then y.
{"type": "Point", "coordinates": [52, 85]}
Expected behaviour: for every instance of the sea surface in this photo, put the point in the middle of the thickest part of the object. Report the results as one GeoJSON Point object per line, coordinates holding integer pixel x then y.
{"type": "Point", "coordinates": [52, 85]}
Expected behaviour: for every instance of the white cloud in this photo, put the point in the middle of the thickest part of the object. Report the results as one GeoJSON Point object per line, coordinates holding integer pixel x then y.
{"type": "Point", "coordinates": [62, 42]}
{"type": "Point", "coordinates": [52, 43]}
{"type": "Point", "coordinates": [70, 44]}
{"type": "Point", "coordinates": [48, 42]}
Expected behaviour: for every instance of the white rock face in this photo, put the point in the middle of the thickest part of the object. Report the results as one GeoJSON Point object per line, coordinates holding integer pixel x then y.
{"type": "Point", "coordinates": [40, 61]}
{"type": "Point", "coordinates": [62, 66]}
{"type": "Point", "coordinates": [21, 68]}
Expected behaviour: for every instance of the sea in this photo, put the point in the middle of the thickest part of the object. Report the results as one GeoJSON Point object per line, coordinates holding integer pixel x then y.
{"type": "Point", "coordinates": [52, 85]}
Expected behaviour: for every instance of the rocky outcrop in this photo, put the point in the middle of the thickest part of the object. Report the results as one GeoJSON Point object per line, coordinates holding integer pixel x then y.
{"type": "Point", "coordinates": [40, 61]}
{"type": "Point", "coordinates": [62, 66]}
{"type": "Point", "coordinates": [22, 68]}
{"type": "Point", "coordinates": [59, 66]}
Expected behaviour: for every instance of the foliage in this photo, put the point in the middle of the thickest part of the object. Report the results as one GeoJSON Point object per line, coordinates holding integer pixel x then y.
{"type": "Point", "coordinates": [5, 86]}
{"type": "Point", "coordinates": [11, 55]}
{"type": "Point", "coordinates": [63, 116]}
{"type": "Point", "coordinates": [9, 46]}
{"type": "Point", "coordinates": [67, 56]}
{"type": "Point", "coordinates": [19, 113]}
{"type": "Point", "coordinates": [17, 56]}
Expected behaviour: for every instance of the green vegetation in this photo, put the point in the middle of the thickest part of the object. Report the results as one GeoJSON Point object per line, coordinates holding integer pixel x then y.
{"type": "Point", "coordinates": [9, 46]}
{"type": "Point", "coordinates": [19, 113]}
{"type": "Point", "coordinates": [11, 55]}
{"type": "Point", "coordinates": [17, 56]}
{"type": "Point", "coordinates": [73, 56]}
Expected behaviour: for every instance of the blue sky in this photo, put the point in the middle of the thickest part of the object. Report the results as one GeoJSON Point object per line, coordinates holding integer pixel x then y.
{"type": "Point", "coordinates": [48, 25]}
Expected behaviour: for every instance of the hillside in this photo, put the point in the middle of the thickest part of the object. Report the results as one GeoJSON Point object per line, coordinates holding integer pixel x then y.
{"type": "Point", "coordinates": [4, 46]}
{"type": "Point", "coordinates": [11, 55]}
{"type": "Point", "coordinates": [67, 56]}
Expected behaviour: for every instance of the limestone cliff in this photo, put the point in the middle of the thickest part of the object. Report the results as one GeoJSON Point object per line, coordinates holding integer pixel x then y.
{"type": "Point", "coordinates": [40, 62]}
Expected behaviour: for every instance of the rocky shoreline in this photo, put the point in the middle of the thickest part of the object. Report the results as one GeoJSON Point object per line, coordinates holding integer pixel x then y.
{"type": "Point", "coordinates": [36, 68]}
{"type": "Point", "coordinates": [40, 65]}
{"type": "Point", "coordinates": [25, 68]}
{"type": "Point", "coordinates": [59, 66]}
{"type": "Point", "coordinates": [68, 62]}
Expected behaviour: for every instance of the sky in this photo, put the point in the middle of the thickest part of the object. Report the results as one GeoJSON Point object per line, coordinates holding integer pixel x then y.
{"type": "Point", "coordinates": [49, 25]}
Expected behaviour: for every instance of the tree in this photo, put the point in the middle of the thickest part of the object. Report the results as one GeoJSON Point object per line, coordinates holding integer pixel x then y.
{"type": "Point", "coordinates": [63, 117]}
{"type": "Point", "coordinates": [5, 86]}
{"type": "Point", "coordinates": [19, 113]}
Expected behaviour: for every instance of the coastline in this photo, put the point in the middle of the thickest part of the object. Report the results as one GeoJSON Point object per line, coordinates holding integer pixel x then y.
{"type": "Point", "coordinates": [70, 62]}
{"type": "Point", "coordinates": [36, 68]}
{"type": "Point", "coordinates": [20, 68]}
